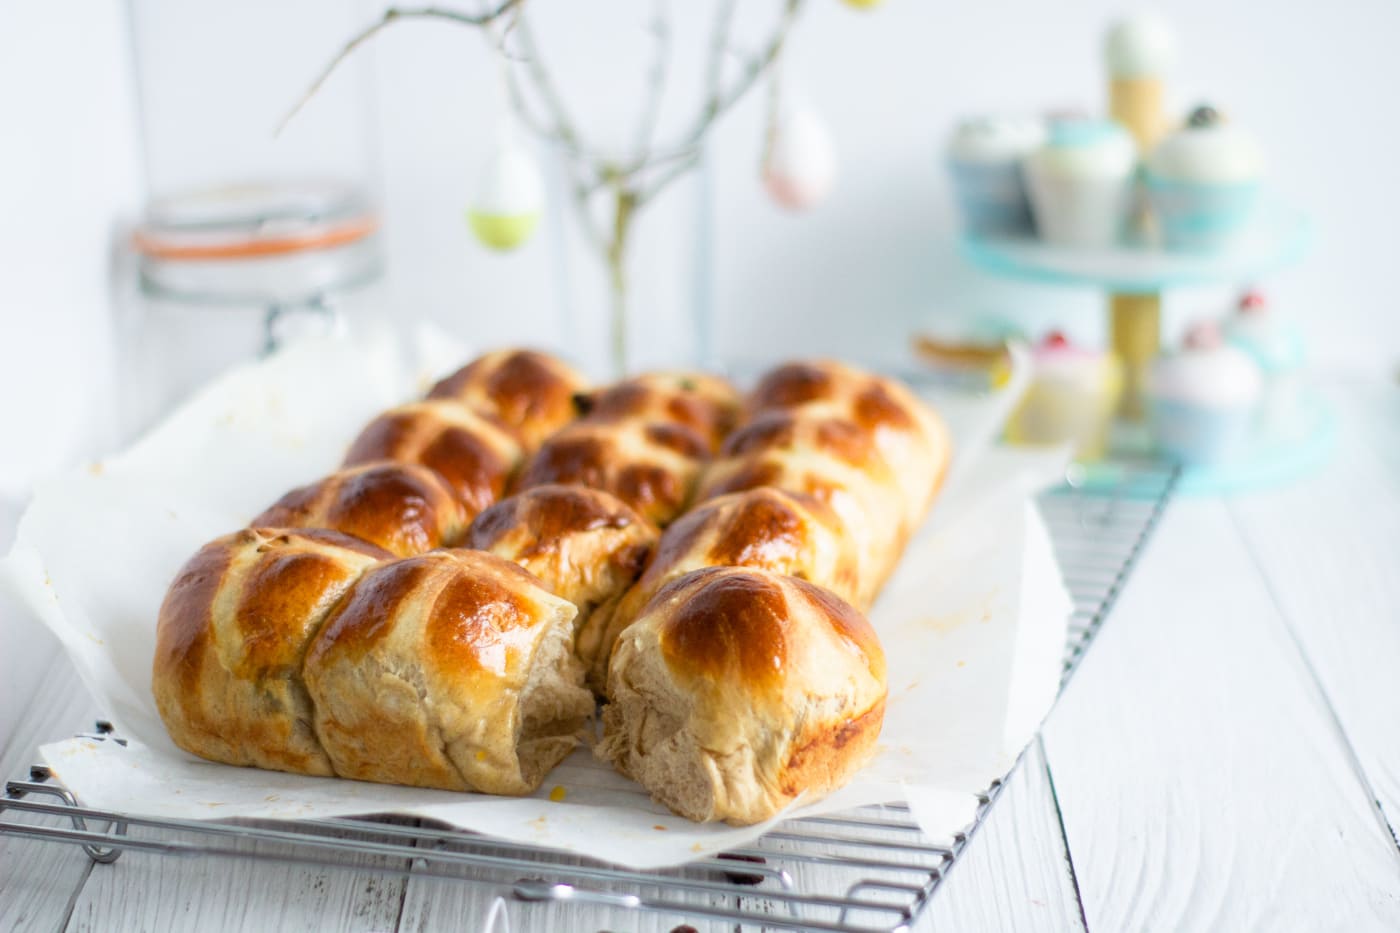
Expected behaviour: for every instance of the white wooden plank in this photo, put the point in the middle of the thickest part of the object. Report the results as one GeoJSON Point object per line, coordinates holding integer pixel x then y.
{"type": "Point", "coordinates": [1330, 550]}
{"type": "Point", "coordinates": [1200, 776]}
{"type": "Point", "coordinates": [44, 702]}
{"type": "Point", "coordinates": [41, 880]}
{"type": "Point", "coordinates": [151, 892]}
{"type": "Point", "coordinates": [1015, 873]}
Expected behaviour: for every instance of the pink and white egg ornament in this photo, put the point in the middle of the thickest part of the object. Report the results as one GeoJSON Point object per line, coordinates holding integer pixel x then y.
{"type": "Point", "coordinates": [800, 169]}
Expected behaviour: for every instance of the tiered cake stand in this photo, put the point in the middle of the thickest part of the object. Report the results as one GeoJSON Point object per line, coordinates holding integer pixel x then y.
{"type": "Point", "coordinates": [1134, 276]}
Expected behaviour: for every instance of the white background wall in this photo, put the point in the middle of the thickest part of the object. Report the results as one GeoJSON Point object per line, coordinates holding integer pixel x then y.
{"type": "Point", "coordinates": [415, 114]}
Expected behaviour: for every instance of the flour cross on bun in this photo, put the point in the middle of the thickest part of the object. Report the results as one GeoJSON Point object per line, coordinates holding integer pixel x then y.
{"type": "Point", "coordinates": [644, 440]}
{"type": "Point", "coordinates": [531, 393]}
{"type": "Point", "coordinates": [404, 508]}
{"type": "Point", "coordinates": [453, 669]}
{"type": "Point", "coordinates": [768, 528]}
{"type": "Point", "coordinates": [739, 691]}
{"type": "Point", "coordinates": [583, 544]}
{"type": "Point", "coordinates": [230, 639]}
{"type": "Point", "coordinates": [910, 435]}
{"type": "Point", "coordinates": [475, 454]}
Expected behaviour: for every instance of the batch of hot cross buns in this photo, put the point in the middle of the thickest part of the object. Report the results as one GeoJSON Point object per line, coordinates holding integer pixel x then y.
{"type": "Point", "coordinates": [448, 608]}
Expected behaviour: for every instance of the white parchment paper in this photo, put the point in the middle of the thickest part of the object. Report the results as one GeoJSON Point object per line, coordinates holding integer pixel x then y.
{"type": "Point", "coordinates": [973, 622]}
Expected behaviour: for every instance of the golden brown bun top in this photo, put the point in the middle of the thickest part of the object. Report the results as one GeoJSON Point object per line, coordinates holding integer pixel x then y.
{"type": "Point", "coordinates": [651, 466]}
{"type": "Point", "coordinates": [282, 582]}
{"type": "Point", "coordinates": [472, 611]}
{"type": "Point", "coordinates": [549, 515]}
{"type": "Point", "coordinates": [530, 392]}
{"type": "Point", "coordinates": [583, 544]}
{"type": "Point", "coordinates": [769, 528]}
{"type": "Point", "coordinates": [475, 454]}
{"type": "Point", "coordinates": [909, 434]}
{"type": "Point", "coordinates": [800, 430]}
{"type": "Point", "coordinates": [704, 404]}
{"type": "Point", "coordinates": [404, 508]}
{"type": "Point", "coordinates": [741, 626]}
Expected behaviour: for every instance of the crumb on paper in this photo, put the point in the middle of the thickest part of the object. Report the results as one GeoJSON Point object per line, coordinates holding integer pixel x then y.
{"type": "Point", "coordinates": [659, 828]}
{"type": "Point", "coordinates": [558, 793]}
{"type": "Point", "coordinates": [913, 685]}
{"type": "Point", "coordinates": [697, 847]}
{"type": "Point", "coordinates": [943, 624]}
{"type": "Point", "coordinates": [962, 664]}
{"type": "Point", "coordinates": [96, 468]}
{"type": "Point", "coordinates": [171, 513]}
{"type": "Point", "coordinates": [539, 823]}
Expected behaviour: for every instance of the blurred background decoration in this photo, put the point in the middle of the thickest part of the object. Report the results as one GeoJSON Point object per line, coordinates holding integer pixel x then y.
{"type": "Point", "coordinates": [611, 186]}
{"type": "Point", "coordinates": [130, 104]}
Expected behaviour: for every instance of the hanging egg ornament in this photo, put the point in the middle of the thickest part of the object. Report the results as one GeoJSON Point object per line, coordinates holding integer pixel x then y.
{"type": "Point", "coordinates": [510, 198]}
{"type": "Point", "coordinates": [801, 166]}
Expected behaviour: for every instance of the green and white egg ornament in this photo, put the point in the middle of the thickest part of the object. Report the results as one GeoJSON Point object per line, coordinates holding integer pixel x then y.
{"type": "Point", "coordinates": [509, 198]}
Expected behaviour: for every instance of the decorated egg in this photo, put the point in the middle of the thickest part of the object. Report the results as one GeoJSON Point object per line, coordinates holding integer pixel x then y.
{"type": "Point", "coordinates": [801, 166]}
{"type": "Point", "coordinates": [510, 198]}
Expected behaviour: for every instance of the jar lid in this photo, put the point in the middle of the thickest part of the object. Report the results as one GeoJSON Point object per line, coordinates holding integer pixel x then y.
{"type": "Point", "coordinates": [247, 220]}
{"type": "Point", "coordinates": [260, 242]}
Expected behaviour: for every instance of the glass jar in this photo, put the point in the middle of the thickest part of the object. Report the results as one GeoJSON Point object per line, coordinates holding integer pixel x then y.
{"type": "Point", "coordinates": [224, 274]}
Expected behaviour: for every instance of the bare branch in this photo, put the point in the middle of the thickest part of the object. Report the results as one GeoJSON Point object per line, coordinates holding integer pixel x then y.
{"type": "Point", "coordinates": [656, 82]}
{"type": "Point", "coordinates": [722, 96]}
{"type": "Point", "coordinates": [393, 15]}
{"type": "Point", "coordinates": [719, 44]}
{"type": "Point", "coordinates": [687, 161]}
{"type": "Point", "coordinates": [563, 130]}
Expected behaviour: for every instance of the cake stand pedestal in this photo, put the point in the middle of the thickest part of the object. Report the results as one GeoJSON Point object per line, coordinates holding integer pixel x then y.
{"type": "Point", "coordinates": [1134, 275]}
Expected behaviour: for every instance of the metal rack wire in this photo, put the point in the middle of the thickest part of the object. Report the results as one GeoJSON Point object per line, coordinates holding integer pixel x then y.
{"type": "Point", "coordinates": [882, 868]}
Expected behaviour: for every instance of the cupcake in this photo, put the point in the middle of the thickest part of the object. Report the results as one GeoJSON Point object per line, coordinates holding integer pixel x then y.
{"type": "Point", "coordinates": [1203, 181]}
{"type": "Point", "coordinates": [1081, 183]}
{"type": "Point", "coordinates": [1072, 395]}
{"type": "Point", "coordinates": [1276, 346]}
{"type": "Point", "coordinates": [1203, 399]}
{"type": "Point", "coordinates": [984, 159]}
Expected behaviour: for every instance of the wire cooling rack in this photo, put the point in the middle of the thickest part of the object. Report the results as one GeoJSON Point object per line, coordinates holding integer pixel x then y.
{"type": "Point", "coordinates": [864, 870]}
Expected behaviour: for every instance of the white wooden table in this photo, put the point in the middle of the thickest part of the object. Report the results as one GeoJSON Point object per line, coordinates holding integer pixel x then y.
{"type": "Point", "coordinates": [1227, 757]}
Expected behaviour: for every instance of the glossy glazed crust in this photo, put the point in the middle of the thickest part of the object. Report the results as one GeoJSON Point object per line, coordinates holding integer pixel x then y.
{"type": "Point", "coordinates": [583, 545]}
{"type": "Point", "coordinates": [452, 669]}
{"type": "Point", "coordinates": [911, 437]}
{"type": "Point", "coordinates": [531, 393]}
{"type": "Point", "coordinates": [404, 508]}
{"type": "Point", "coordinates": [738, 690]}
{"type": "Point", "coordinates": [704, 404]}
{"type": "Point", "coordinates": [475, 455]}
{"type": "Point", "coordinates": [767, 528]}
{"type": "Point", "coordinates": [867, 502]}
{"type": "Point", "coordinates": [230, 640]}
{"type": "Point", "coordinates": [650, 466]}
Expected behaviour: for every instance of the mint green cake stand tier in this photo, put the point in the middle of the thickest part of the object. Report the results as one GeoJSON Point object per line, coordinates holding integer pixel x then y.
{"type": "Point", "coordinates": [1277, 238]}
{"type": "Point", "coordinates": [1267, 461]}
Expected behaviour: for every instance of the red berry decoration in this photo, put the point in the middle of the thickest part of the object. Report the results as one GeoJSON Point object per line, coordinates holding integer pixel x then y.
{"type": "Point", "coordinates": [1055, 340]}
{"type": "Point", "coordinates": [1253, 301]}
